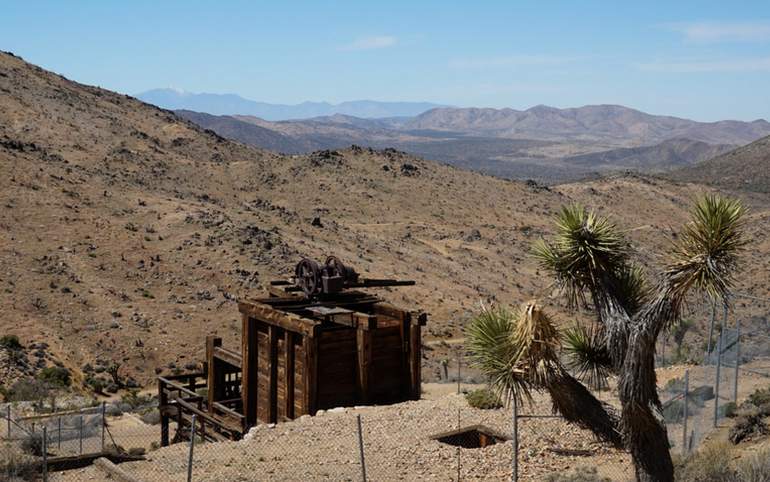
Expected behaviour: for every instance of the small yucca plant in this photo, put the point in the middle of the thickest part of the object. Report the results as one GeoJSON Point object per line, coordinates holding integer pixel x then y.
{"type": "Point", "coordinates": [587, 355]}
{"type": "Point", "coordinates": [516, 349]}
{"type": "Point", "coordinates": [706, 255]}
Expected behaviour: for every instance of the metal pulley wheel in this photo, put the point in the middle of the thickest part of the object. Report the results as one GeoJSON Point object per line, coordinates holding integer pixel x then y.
{"type": "Point", "coordinates": [308, 276]}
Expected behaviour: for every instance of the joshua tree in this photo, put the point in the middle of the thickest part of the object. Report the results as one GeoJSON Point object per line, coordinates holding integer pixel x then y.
{"type": "Point", "coordinates": [590, 260]}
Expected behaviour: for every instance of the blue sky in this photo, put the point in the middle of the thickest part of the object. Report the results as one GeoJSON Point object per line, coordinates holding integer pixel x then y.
{"type": "Point", "coordinates": [703, 60]}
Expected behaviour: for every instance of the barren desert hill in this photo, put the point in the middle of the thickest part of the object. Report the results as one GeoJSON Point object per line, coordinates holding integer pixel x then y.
{"type": "Point", "coordinates": [128, 233]}
{"type": "Point", "coordinates": [745, 168]}
{"type": "Point", "coordinates": [588, 122]}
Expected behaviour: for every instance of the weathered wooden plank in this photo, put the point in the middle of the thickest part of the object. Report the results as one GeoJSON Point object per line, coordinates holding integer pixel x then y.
{"type": "Point", "coordinates": [288, 344]}
{"type": "Point", "coordinates": [405, 347]}
{"type": "Point", "coordinates": [162, 404]}
{"type": "Point", "coordinates": [310, 375]}
{"type": "Point", "coordinates": [388, 310]}
{"type": "Point", "coordinates": [273, 374]}
{"type": "Point", "coordinates": [249, 369]}
{"type": "Point", "coordinates": [364, 353]}
{"type": "Point", "coordinates": [364, 321]}
{"type": "Point", "coordinates": [277, 317]}
{"type": "Point", "coordinates": [415, 360]}
{"type": "Point", "coordinates": [281, 375]}
{"type": "Point", "coordinates": [232, 358]}
{"type": "Point", "coordinates": [212, 342]}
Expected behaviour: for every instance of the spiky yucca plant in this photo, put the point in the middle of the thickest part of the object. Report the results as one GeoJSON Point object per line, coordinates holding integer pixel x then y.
{"type": "Point", "coordinates": [587, 355]}
{"type": "Point", "coordinates": [589, 259]}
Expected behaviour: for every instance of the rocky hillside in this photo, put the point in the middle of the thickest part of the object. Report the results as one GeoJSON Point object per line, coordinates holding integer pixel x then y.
{"type": "Point", "coordinates": [667, 155]}
{"type": "Point", "coordinates": [746, 168]}
{"type": "Point", "coordinates": [251, 134]}
{"type": "Point", "coordinates": [128, 232]}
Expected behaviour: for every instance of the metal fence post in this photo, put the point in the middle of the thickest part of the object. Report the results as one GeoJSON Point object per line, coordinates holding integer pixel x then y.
{"type": "Point", "coordinates": [684, 423]}
{"type": "Point", "coordinates": [361, 448]}
{"type": "Point", "coordinates": [80, 434]}
{"type": "Point", "coordinates": [58, 434]}
{"type": "Point", "coordinates": [711, 329]}
{"type": "Point", "coordinates": [737, 358]}
{"type": "Point", "coordinates": [459, 362]}
{"type": "Point", "coordinates": [104, 422]}
{"type": "Point", "coordinates": [8, 410]}
{"type": "Point", "coordinates": [515, 440]}
{"type": "Point", "coordinates": [45, 453]}
{"type": "Point", "coordinates": [192, 447]}
{"type": "Point", "coordinates": [716, 384]}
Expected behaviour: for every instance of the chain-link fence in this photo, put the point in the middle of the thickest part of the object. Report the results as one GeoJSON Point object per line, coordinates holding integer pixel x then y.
{"type": "Point", "coordinates": [698, 401]}
{"type": "Point", "coordinates": [441, 437]}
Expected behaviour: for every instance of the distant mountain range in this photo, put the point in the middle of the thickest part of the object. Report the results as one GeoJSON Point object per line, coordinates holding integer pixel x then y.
{"type": "Point", "coordinates": [542, 143]}
{"type": "Point", "coordinates": [231, 104]}
{"type": "Point", "coordinates": [607, 123]}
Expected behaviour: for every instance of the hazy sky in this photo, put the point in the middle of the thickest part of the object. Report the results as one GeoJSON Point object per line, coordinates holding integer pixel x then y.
{"type": "Point", "coordinates": [703, 60]}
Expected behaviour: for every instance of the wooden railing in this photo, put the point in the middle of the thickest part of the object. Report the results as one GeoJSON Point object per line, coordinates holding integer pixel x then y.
{"type": "Point", "coordinates": [178, 399]}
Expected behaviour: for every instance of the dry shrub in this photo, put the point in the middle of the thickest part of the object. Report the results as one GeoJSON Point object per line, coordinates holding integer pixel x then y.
{"type": "Point", "coordinates": [581, 474]}
{"type": "Point", "coordinates": [755, 468]}
{"type": "Point", "coordinates": [748, 423]}
{"type": "Point", "coordinates": [709, 464]}
{"type": "Point", "coordinates": [483, 398]}
{"type": "Point", "coordinates": [15, 464]}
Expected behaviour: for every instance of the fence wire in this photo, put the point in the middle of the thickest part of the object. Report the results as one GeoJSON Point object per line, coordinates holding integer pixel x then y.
{"type": "Point", "coordinates": [438, 438]}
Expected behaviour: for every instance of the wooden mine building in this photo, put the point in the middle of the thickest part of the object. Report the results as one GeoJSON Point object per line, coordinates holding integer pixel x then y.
{"type": "Point", "coordinates": [316, 342]}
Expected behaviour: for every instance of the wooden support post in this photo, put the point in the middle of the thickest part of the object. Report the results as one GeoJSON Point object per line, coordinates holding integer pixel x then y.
{"type": "Point", "coordinates": [288, 345]}
{"type": "Point", "coordinates": [162, 406]}
{"type": "Point", "coordinates": [272, 370]}
{"type": "Point", "coordinates": [310, 377]}
{"type": "Point", "coordinates": [249, 377]}
{"type": "Point", "coordinates": [364, 347]}
{"type": "Point", "coordinates": [213, 381]}
{"type": "Point", "coordinates": [415, 360]}
{"type": "Point", "coordinates": [406, 377]}
{"type": "Point", "coordinates": [179, 422]}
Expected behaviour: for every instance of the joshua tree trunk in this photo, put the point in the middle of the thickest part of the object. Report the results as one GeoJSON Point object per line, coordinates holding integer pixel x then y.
{"type": "Point", "coordinates": [646, 436]}
{"type": "Point", "coordinates": [642, 422]}
{"type": "Point", "coordinates": [577, 405]}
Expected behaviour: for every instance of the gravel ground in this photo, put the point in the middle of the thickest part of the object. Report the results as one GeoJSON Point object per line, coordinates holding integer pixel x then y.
{"type": "Point", "coordinates": [397, 447]}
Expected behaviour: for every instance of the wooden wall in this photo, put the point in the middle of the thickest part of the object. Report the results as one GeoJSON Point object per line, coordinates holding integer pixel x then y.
{"type": "Point", "coordinates": [293, 367]}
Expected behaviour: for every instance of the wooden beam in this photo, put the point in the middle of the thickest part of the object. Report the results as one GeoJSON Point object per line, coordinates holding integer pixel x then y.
{"type": "Point", "coordinates": [184, 376]}
{"type": "Point", "coordinates": [249, 373]}
{"type": "Point", "coordinates": [272, 370]}
{"type": "Point", "coordinates": [173, 386]}
{"type": "Point", "coordinates": [310, 375]}
{"type": "Point", "coordinates": [277, 317]}
{"type": "Point", "coordinates": [364, 348]}
{"type": "Point", "coordinates": [406, 378]}
{"type": "Point", "coordinates": [288, 345]}
{"type": "Point", "coordinates": [415, 361]}
{"type": "Point", "coordinates": [365, 321]}
{"type": "Point", "coordinates": [212, 342]}
{"type": "Point", "coordinates": [389, 310]}
{"type": "Point", "coordinates": [229, 357]}
{"type": "Point", "coordinates": [162, 404]}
